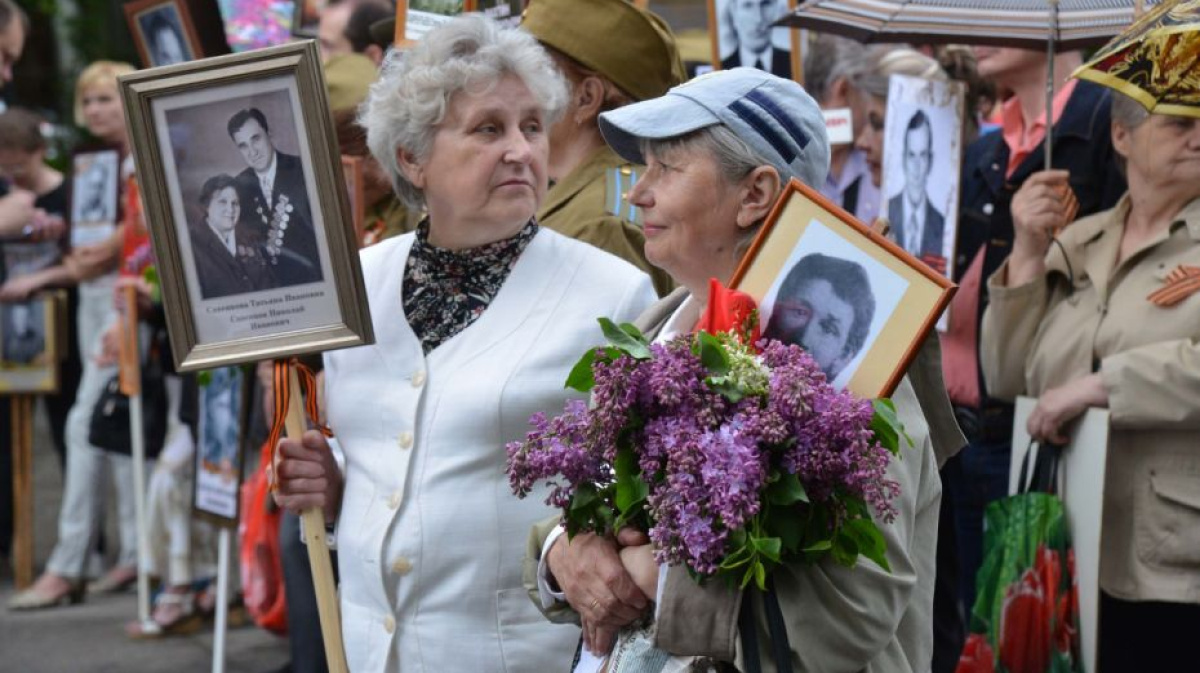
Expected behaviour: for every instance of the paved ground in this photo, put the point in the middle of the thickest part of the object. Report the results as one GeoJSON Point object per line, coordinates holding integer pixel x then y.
{"type": "Point", "coordinates": [89, 638]}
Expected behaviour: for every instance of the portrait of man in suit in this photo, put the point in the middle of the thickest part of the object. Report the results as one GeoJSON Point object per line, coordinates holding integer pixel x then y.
{"type": "Point", "coordinates": [163, 31]}
{"type": "Point", "coordinates": [273, 193]}
{"type": "Point", "coordinates": [918, 224]}
{"type": "Point", "coordinates": [748, 23]}
{"type": "Point", "coordinates": [825, 305]}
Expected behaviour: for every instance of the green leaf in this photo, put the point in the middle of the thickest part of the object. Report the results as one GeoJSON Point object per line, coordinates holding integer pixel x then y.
{"type": "Point", "coordinates": [786, 490]}
{"type": "Point", "coordinates": [583, 497]}
{"type": "Point", "coordinates": [887, 426]}
{"type": "Point", "coordinates": [788, 527]}
{"type": "Point", "coordinates": [820, 545]}
{"type": "Point", "coordinates": [768, 547]}
{"type": "Point", "coordinates": [204, 378]}
{"type": "Point", "coordinates": [845, 549]}
{"type": "Point", "coordinates": [760, 576]}
{"type": "Point", "coordinates": [634, 346]}
{"type": "Point", "coordinates": [631, 489]}
{"type": "Point", "coordinates": [712, 353]}
{"type": "Point", "coordinates": [728, 390]}
{"type": "Point", "coordinates": [581, 377]}
{"type": "Point", "coordinates": [869, 540]}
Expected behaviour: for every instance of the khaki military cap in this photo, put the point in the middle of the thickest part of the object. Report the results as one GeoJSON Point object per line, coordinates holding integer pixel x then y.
{"type": "Point", "coordinates": [348, 77]}
{"type": "Point", "coordinates": [633, 48]}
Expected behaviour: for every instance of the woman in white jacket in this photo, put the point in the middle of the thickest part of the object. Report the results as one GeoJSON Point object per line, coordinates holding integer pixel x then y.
{"type": "Point", "coordinates": [478, 316]}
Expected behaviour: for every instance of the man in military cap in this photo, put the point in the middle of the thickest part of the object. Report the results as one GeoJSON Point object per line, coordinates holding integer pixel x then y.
{"type": "Point", "coordinates": [612, 54]}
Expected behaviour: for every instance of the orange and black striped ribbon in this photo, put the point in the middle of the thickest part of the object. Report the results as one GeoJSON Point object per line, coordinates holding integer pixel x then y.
{"type": "Point", "coordinates": [281, 385]}
{"type": "Point", "coordinates": [1181, 283]}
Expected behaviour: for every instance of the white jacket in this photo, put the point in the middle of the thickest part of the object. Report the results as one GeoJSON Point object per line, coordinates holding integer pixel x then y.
{"type": "Point", "coordinates": [430, 538]}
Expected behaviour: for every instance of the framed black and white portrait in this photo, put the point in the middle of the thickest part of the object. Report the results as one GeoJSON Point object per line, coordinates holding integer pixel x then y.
{"type": "Point", "coordinates": [854, 300]}
{"type": "Point", "coordinates": [95, 189]}
{"type": "Point", "coordinates": [218, 455]}
{"type": "Point", "coordinates": [31, 343]}
{"type": "Point", "coordinates": [247, 207]}
{"type": "Point", "coordinates": [163, 32]}
{"type": "Point", "coordinates": [922, 156]}
{"type": "Point", "coordinates": [743, 36]}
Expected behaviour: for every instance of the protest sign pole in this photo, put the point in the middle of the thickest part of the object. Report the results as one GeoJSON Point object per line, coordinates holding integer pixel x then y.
{"type": "Point", "coordinates": [130, 381]}
{"type": "Point", "coordinates": [313, 520]}
{"type": "Point", "coordinates": [220, 627]}
{"type": "Point", "coordinates": [22, 476]}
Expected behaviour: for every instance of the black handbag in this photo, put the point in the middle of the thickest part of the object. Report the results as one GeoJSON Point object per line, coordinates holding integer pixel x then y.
{"type": "Point", "coordinates": [109, 429]}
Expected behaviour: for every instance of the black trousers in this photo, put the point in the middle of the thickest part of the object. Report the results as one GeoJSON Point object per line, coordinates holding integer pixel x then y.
{"type": "Point", "coordinates": [304, 621]}
{"type": "Point", "coordinates": [1144, 636]}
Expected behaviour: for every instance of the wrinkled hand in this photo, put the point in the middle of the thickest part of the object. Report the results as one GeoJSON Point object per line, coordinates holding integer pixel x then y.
{"type": "Point", "coordinates": [19, 288]}
{"type": "Point", "coordinates": [1039, 209]}
{"type": "Point", "coordinates": [1059, 406]}
{"type": "Point", "coordinates": [591, 575]}
{"type": "Point", "coordinates": [640, 564]}
{"type": "Point", "coordinates": [307, 475]}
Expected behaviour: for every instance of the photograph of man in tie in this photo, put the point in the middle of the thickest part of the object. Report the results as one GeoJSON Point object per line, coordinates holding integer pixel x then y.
{"type": "Point", "coordinates": [275, 208]}
{"type": "Point", "coordinates": [917, 223]}
{"type": "Point", "coordinates": [745, 35]}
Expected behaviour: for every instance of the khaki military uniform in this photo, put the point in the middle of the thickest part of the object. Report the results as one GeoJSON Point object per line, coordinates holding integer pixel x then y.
{"type": "Point", "coordinates": [584, 204]}
{"type": "Point", "coordinates": [1087, 316]}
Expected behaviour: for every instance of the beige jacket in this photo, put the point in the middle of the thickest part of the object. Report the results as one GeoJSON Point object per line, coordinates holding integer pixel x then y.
{"type": "Point", "coordinates": [1047, 333]}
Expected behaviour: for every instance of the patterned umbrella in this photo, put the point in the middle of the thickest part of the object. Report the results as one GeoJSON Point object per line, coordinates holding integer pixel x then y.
{"type": "Point", "coordinates": [1156, 61]}
{"type": "Point", "coordinates": [1005, 23]}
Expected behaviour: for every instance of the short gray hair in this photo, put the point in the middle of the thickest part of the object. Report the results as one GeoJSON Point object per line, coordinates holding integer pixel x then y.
{"type": "Point", "coordinates": [830, 58]}
{"type": "Point", "coordinates": [410, 98]}
{"type": "Point", "coordinates": [873, 71]}
{"type": "Point", "coordinates": [1127, 112]}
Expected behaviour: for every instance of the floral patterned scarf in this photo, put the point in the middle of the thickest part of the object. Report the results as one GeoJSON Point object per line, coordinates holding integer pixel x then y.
{"type": "Point", "coordinates": [444, 291]}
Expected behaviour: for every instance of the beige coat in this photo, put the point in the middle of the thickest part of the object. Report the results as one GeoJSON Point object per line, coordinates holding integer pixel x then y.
{"type": "Point", "coordinates": [1046, 333]}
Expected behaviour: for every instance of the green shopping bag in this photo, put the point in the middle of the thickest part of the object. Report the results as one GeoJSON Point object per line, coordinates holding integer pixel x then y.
{"type": "Point", "coordinates": [1026, 613]}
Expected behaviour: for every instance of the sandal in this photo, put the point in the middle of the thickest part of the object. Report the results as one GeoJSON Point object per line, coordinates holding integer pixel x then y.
{"type": "Point", "coordinates": [174, 615]}
{"type": "Point", "coordinates": [114, 581]}
{"type": "Point", "coordinates": [40, 595]}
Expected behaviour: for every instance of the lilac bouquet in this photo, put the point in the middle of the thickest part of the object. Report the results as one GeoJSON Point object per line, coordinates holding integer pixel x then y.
{"type": "Point", "coordinates": [733, 459]}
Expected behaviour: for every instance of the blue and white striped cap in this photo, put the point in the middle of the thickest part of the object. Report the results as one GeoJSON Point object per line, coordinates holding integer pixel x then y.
{"type": "Point", "coordinates": [774, 116]}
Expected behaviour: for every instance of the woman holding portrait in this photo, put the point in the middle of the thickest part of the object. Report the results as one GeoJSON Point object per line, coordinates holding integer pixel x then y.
{"type": "Point", "coordinates": [1105, 318]}
{"type": "Point", "coordinates": [718, 153]}
{"type": "Point", "coordinates": [226, 264]}
{"type": "Point", "coordinates": [479, 316]}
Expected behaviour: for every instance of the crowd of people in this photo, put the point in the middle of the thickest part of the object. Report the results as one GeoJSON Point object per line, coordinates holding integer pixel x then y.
{"type": "Point", "coordinates": [521, 182]}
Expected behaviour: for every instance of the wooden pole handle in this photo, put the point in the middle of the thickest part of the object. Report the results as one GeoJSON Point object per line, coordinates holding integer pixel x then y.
{"type": "Point", "coordinates": [318, 550]}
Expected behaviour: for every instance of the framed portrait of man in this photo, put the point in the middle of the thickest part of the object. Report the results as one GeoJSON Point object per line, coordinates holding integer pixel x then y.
{"type": "Point", "coordinates": [743, 36]}
{"type": "Point", "coordinates": [95, 189]}
{"type": "Point", "coordinates": [854, 300]}
{"type": "Point", "coordinates": [163, 32]}
{"type": "Point", "coordinates": [31, 343]}
{"type": "Point", "coordinates": [247, 208]}
{"type": "Point", "coordinates": [222, 415]}
{"type": "Point", "coordinates": [922, 155]}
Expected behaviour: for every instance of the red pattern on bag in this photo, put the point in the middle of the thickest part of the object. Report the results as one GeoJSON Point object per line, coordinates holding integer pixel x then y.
{"type": "Point", "coordinates": [262, 572]}
{"type": "Point", "coordinates": [977, 656]}
{"type": "Point", "coordinates": [1028, 617]}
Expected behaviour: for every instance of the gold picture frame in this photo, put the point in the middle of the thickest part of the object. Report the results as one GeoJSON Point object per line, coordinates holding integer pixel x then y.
{"type": "Point", "coordinates": [723, 35]}
{"type": "Point", "coordinates": [170, 18]}
{"type": "Point", "coordinates": [857, 302]}
{"type": "Point", "coordinates": [352, 170]}
{"type": "Point", "coordinates": [286, 279]}
{"type": "Point", "coordinates": [29, 362]}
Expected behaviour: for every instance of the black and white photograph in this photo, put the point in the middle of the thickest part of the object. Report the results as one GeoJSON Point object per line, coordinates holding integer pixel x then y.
{"type": "Point", "coordinates": [246, 206]}
{"type": "Point", "coordinates": [921, 157]}
{"type": "Point", "coordinates": [219, 464]}
{"type": "Point", "coordinates": [855, 301]}
{"type": "Point", "coordinates": [743, 36]}
{"type": "Point", "coordinates": [833, 300]}
{"type": "Point", "coordinates": [163, 32]}
{"type": "Point", "coordinates": [94, 189]}
{"type": "Point", "coordinates": [23, 325]}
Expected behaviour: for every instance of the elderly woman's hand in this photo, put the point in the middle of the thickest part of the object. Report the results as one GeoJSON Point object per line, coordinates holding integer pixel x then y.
{"type": "Point", "coordinates": [1059, 406]}
{"type": "Point", "coordinates": [1039, 209]}
{"type": "Point", "coordinates": [589, 571]}
{"type": "Point", "coordinates": [307, 475]}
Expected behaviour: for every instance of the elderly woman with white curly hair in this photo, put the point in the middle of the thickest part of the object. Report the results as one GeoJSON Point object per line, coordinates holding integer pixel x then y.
{"type": "Point", "coordinates": [478, 317]}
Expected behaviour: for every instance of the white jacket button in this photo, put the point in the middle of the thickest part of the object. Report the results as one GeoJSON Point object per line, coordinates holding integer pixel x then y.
{"type": "Point", "coordinates": [402, 566]}
{"type": "Point", "coordinates": [418, 379]}
{"type": "Point", "coordinates": [394, 501]}
{"type": "Point", "coordinates": [405, 440]}
{"type": "Point", "coordinates": [389, 624]}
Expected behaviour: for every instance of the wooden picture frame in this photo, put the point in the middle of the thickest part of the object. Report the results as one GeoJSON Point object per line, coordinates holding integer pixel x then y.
{"type": "Point", "coordinates": [414, 18]}
{"type": "Point", "coordinates": [939, 107]}
{"type": "Point", "coordinates": [306, 15]}
{"type": "Point", "coordinates": [95, 195]}
{"type": "Point", "coordinates": [870, 303]}
{"type": "Point", "coordinates": [163, 32]}
{"type": "Point", "coordinates": [352, 170]}
{"type": "Point", "coordinates": [725, 36]}
{"type": "Point", "coordinates": [279, 275]}
{"type": "Point", "coordinates": [33, 344]}
{"type": "Point", "coordinates": [224, 405]}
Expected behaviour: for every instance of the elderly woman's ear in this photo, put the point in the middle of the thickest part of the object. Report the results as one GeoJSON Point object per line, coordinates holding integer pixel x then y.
{"type": "Point", "coordinates": [587, 100]}
{"type": "Point", "coordinates": [410, 168]}
{"type": "Point", "coordinates": [760, 189]}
